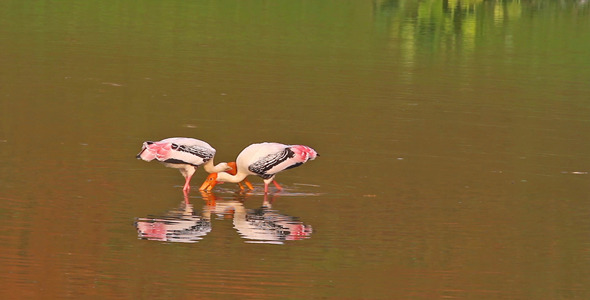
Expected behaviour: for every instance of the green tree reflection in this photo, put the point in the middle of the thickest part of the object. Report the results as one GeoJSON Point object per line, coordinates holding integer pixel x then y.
{"type": "Point", "coordinates": [453, 31]}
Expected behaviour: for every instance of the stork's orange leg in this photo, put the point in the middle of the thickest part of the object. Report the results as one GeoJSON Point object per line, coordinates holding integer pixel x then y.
{"type": "Point", "coordinates": [277, 185]}
{"type": "Point", "coordinates": [187, 187]}
{"type": "Point", "coordinates": [248, 184]}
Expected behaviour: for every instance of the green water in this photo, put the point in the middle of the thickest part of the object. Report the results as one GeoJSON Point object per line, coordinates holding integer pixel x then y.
{"type": "Point", "coordinates": [453, 139]}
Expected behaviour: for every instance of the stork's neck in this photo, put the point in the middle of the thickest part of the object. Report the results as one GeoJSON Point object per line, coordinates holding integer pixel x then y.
{"type": "Point", "coordinates": [210, 168]}
{"type": "Point", "coordinates": [226, 177]}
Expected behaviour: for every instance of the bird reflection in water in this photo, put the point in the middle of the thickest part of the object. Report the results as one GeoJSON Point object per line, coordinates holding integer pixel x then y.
{"type": "Point", "coordinates": [177, 225]}
{"type": "Point", "coordinates": [261, 225]}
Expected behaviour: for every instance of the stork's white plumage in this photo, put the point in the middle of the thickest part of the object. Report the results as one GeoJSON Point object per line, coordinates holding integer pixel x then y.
{"type": "Point", "coordinates": [264, 160]}
{"type": "Point", "coordinates": [184, 154]}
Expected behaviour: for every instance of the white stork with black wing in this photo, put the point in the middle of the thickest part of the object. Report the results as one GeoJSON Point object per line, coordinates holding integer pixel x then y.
{"type": "Point", "coordinates": [184, 154]}
{"type": "Point", "coordinates": [264, 160]}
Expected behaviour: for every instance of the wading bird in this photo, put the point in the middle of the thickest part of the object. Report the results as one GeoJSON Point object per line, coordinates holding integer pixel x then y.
{"type": "Point", "coordinates": [264, 160]}
{"type": "Point", "coordinates": [186, 155]}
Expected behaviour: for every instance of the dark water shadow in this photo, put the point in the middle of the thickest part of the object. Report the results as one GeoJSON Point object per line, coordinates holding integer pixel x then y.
{"type": "Point", "coordinates": [260, 225]}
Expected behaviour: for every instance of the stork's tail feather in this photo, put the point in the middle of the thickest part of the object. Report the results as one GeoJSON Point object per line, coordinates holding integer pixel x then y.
{"type": "Point", "coordinates": [304, 153]}
{"type": "Point", "coordinates": [155, 150]}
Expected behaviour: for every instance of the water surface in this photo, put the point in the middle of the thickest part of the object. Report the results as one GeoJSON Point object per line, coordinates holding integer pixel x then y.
{"type": "Point", "coordinates": [454, 155]}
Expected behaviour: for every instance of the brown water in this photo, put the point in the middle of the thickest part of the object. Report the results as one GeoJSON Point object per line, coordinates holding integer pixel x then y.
{"type": "Point", "coordinates": [453, 139]}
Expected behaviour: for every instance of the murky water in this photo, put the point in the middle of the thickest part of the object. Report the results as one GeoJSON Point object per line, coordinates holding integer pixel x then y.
{"type": "Point", "coordinates": [453, 139]}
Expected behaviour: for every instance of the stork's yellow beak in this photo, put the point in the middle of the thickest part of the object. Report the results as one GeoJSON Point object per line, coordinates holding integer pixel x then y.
{"type": "Point", "coordinates": [209, 183]}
